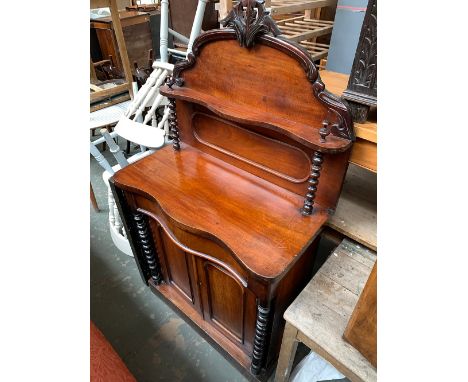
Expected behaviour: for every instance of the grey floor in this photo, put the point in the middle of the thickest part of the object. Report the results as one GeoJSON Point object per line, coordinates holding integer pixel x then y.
{"type": "Point", "coordinates": [153, 341]}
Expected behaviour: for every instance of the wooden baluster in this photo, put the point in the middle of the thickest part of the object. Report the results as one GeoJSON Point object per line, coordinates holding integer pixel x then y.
{"type": "Point", "coordinates": [260, 339]}
{"type": "Point", "coordinates": [174, 129]}
{"type": "Point", "coordinates": [147, 247]}
{"type": "Point", "coordinates": [317, 161]}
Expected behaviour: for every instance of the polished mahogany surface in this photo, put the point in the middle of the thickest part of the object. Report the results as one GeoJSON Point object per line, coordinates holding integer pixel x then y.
{"type": "Point", "coordinates": [225, 223]}
{"type": "Point", "coordinates": [248, 214]}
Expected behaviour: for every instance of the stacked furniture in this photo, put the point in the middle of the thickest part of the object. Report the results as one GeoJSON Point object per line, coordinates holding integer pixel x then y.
{"type": "Point", "coordinates": [303, 23]}
{"type": "Point", "coordinates": [298, 20]}
{"type": "Point", "coordinates": [260, 149]}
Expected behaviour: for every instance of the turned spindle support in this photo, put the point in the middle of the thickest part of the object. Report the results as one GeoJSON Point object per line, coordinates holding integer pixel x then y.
{"type": "Point", "coordinates": [324, 131]}
{"type": "Point", "coordinates": [145, 241]}
{"type": "Point", "coordinates": [313, 181]}
{"type": "Point", "coordinates": [260, 339]}
{"type": "Point", "coordinates": [173, 126]}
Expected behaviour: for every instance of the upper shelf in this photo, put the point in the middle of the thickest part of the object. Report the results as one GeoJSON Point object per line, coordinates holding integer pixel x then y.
{"type": "Point", "coordinates": [305, 134]}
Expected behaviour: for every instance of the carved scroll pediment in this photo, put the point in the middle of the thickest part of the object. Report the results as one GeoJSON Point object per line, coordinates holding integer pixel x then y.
{"type": "Point", "coordinates": [249, 22]}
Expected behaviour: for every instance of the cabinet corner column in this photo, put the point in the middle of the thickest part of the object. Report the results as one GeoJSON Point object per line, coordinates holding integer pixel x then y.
{"type": "Point", "coordinates": [262, 328]}
{"type": "Point", "coordinates": [147, 247]}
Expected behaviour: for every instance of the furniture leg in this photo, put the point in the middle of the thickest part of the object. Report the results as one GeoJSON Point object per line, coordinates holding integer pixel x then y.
{"type": "Point", "coordinates": [93, 198]}
{"type": "Point", "coordinates": [287, 353]}
{"type": "Point", "coordinates": [164, 31]}
{"type": "Point", "coordinates": [197, 23]}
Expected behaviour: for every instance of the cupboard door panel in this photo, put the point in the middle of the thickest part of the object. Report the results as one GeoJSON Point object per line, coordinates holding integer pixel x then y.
{"type": "Point", "coordinates": [177, 267]}
{"type": "Point", "coordinates": [226, 301]}
{"type": "Point", "coordinates": [177, 263]}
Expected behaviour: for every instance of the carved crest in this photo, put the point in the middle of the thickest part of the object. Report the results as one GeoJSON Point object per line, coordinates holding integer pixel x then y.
{"type": "Point", "coordinates": [249, 23]}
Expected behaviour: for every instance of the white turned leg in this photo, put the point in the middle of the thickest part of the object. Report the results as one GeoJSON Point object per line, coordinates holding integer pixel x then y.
{"type": "Point", "coordinates": [164, 30]}
{"type": "Point", "coordinates": [197, 23]}
{"type": "Point", "coordinates": [111, 202]}
{"type": "Point", "coordinates": [118, 222]}
{"type": "Point", "coordinates": [100, 158]}
{"type": "Point", "coordinates": [114, 149]}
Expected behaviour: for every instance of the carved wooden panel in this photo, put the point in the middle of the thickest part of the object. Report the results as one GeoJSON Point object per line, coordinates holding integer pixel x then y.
{"type": "Point", "coordinates": [251, 148]}
{"type": "Point", "coordinates": [361, 92]}
{"type": "Point", "coordinates": [290, 100]}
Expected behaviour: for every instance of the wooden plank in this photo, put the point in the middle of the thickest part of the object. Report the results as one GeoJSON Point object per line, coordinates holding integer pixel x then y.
{"type": "Point", "coordinates": [95, 88]}
{"type": "Point", "coordinates": [99, 4]}
{"type": "Point", "coordinates": [114, 101]}
{"type": "Point", "coordinates": [322, 310]}
{"type": "Point", "coordinates": [92, 72]}
{"type": "Point", "coordinates": [364, 154]}
{"type": "Point", "coordinates": [358, 252]}
{"type": "Point", "coordinates": [121, 44]}
{"type": "Point", "coordinates": [361, 331]}
{"type": "Point", "coordinates": [279, 7]}
{"type": "Point", "coordinates": [108, 92]}
{"type": "Point", "coordinates": [345, 270]}
{"type": "Point", "coordinates": [303, 35]}
{"type": "Point", "coordinates": [356, 212]}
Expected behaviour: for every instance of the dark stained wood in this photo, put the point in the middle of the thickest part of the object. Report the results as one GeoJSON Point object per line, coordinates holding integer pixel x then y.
{"type": "Point", "coordinates": [361, 92]}
{"type": "Point", "coordinates": [173, 125]}
{"type": "Point", "coordinates": [93, 198]}
{"type": "Point", "coordinates": [361, 331]}
{"type": "Point", "coordinates": [223, 205]}
{"type": "Point", "coordinates": [147, 247]}
{"type": "Point", "coordinates": [182, 13]}
{"type": "Point", "coordinates": [317, 162]}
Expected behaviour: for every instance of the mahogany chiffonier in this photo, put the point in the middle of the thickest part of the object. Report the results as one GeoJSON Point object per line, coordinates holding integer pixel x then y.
{"type": "Point", "coordinates": [224, 224]}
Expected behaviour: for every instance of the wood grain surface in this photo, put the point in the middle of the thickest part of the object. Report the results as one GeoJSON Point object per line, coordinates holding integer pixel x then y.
{"type": "Point", "coordinates": [361, 331]}
{"type": "Point", "coordinates": [212, 195]}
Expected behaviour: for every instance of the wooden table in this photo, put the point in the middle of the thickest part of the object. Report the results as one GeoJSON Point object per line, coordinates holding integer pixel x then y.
{"type": "Point", "coordinates": [364, 152]}
{"type": "Point", "coordinates": [319, 315]}
{"type": "Point", "coordinates": [356, 212]}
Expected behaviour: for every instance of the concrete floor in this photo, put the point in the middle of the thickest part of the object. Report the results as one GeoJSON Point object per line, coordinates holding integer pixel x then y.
{"type": "Point", "coordinates": [153, 341]}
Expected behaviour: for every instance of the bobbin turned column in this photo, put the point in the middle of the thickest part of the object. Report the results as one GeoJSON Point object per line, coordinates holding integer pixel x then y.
{"type": "Point", "coordinates": [147, 247]}
{"type": "Point", "coordinates": [314, 176]}
{"type": "Point", "coordinates": [173, 125]}
{"type": "Point", "coordinates": [260, 339]}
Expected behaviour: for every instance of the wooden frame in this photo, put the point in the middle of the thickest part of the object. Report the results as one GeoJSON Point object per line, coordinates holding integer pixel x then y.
{"type": "Point", "coordinates": [96, 96]}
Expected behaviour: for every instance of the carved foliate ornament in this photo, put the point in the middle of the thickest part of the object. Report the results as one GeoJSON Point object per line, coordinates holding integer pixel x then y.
{"type": "Point", "coordinates": [249, 23]}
